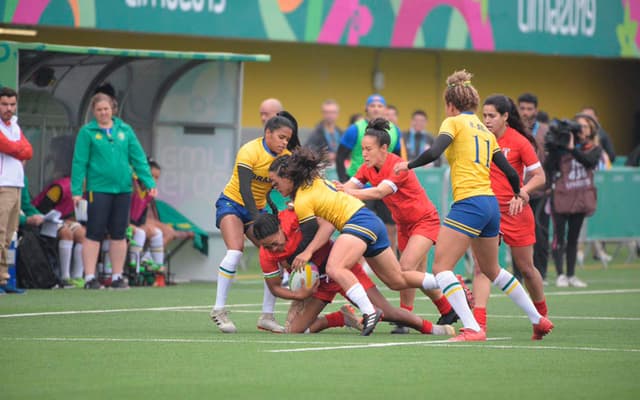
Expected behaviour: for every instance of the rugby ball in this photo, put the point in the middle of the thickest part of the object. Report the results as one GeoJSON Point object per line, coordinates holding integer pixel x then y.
{"type": "Point", "coordinates": [307, 276]}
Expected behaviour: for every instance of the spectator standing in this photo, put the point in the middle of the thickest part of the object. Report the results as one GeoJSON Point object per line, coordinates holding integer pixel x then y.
{"type": "Point", "coordinates": [603, 137]}
{"type": "Point", "coordinates": [105, 152]}
{"type": "Point", "coordinates": [326, 134]}
{"type": "Point", "coordinates": [417, 139]}
{"type": "Point", "coordinates": [14, 149]}
{"type": "Point", "coordinates": [269, 108]}
{"type": "Point", "coordinates": [573, 194]}
{"type": "Point", "coordinates": [528, 110]}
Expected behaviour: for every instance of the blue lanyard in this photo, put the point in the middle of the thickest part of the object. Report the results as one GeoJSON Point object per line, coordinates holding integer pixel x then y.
{"type": "Point", "coordinates": [332, 142]}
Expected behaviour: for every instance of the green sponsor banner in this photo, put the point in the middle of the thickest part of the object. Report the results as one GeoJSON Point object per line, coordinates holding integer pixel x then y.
{"type": "Point", "coordinates": [605, 28]}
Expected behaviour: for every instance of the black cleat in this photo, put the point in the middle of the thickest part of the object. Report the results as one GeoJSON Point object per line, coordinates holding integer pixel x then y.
{"type": "Point", "coordinates": [448, 318]}
{"type": "Point", "coordinates": [119, 284]}
{"type": "Point", "coordinates": [369, 322]}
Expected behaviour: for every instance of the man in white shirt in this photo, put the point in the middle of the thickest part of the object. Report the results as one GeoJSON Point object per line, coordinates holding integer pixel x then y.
{"type": "Point", "coordinates": [14, 149]}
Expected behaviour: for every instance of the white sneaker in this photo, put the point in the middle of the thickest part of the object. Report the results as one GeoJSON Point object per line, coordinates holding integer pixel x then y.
{"type": "Point", "coordinates": [221, 319]}
{"type": "Point", "coordinates": [267, 322]}
{"type": "Point", "coordinates": [575, 282]}
{"type": "Point", "coordinates": [580, 257]}
{"type": "Point", "coordinates": [562, 281]}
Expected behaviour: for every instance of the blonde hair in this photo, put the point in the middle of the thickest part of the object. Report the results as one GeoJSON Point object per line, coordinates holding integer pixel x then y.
{"type": "Point", "coordinates": [98, 97]}
{"type": "Point", "coordinates": [460, 92]}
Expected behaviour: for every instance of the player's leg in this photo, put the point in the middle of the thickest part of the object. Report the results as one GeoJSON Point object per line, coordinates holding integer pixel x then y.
{"type": "Point", "coordinates": [481, 293]}
{"type": "Point", "coordinates": [531, 276]}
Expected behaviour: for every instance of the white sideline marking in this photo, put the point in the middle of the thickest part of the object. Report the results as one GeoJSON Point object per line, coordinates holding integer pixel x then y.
{"type": "Point", "coordinates": [368, 345]}
{"type": "Point", "coordinates": [233, 306]}
{"type": "Point", "coordinates": [453, 344]}
{"type": "Point", "coordinates": [160, 340]}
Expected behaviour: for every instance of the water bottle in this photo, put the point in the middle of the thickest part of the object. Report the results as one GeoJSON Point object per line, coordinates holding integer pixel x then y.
{"type": "Point", "coordinates": [11, 260]}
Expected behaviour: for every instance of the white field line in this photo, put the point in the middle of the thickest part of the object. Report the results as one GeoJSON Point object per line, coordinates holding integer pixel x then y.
{"type": "Point", "coordinates": [340, 301]}
{"type": "Point", "coordinates": [327, 345]}
{"type": "Point", "coordinates": [167, 340]}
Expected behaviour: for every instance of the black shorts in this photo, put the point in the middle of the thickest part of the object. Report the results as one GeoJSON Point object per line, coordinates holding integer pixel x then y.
{"type": "Point", "coordinates": [381, 210]}
{"type": "Point", "coordinates": [108, 213]}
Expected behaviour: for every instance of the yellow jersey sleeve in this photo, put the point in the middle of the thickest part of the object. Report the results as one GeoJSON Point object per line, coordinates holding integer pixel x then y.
{"type": "Point", "coordinates": [256, 157]}
{"type": "Point", "coordinates": [322, 199]}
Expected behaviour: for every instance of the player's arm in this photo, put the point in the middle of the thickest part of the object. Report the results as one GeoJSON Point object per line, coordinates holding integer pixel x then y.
{"type": "Point", "coordinates": [431, 154]}
{"type": "Point", "coordinates": [245, 175]}
{"type": "Point", "coordinates": [536, 181]}
{"type": "Point", "coordinates": [373, 193]}
{"type": "Point", "coordinates": [275, 286]}
{"type": "Point", "coordinates": [315, 233]}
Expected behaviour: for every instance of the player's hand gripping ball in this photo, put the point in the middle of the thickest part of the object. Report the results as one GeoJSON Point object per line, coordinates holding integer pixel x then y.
{"type": "Point", "coordinates": [307, 276]}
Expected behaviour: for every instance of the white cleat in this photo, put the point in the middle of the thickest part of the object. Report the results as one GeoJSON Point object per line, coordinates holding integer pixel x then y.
{"type": "Point", "coordinates": [221, 319]}
{"type": "Point", "coordinates": [576, 282]}
{"type": "Point", "coordinates": [267, 322]}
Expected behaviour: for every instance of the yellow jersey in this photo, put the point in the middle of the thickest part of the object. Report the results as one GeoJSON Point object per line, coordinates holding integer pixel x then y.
{"type": "Point", "coordinates": [469, 155]}
{"type": "Point", "coordinates": [322, 199]}
{"type": "Point", "coordinates": [256, 156]}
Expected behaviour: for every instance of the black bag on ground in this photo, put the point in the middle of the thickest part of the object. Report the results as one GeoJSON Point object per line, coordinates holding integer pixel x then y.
{"type": "Point", "coordinates": [37, 260]}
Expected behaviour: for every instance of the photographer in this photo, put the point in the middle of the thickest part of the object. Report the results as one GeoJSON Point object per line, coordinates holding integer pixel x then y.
{"type": "Point", "coordinates": [572, 157]}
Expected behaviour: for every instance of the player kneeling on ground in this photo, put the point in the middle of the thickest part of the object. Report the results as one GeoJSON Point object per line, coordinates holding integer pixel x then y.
{"type": "Point", "coordinates": [279, 238]}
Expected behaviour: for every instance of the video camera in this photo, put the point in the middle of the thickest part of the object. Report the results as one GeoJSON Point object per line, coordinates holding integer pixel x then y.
{"type": "Point", "coordinates": [560, 132]}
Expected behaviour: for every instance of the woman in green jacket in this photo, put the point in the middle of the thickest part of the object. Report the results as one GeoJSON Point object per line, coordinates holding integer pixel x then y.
{"type": "Point", "coordinates": [106, 154]}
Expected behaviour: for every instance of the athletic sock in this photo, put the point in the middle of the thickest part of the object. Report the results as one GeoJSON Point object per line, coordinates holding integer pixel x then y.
{"type": "Point", "coordinates": [89, 277]}
{"type": "Point", "coordinates": [65, 249]}
{"type": "Point", "coordinates": [78, 266]}
{"type": "Point", "coordinates": [115, 277]}
{"type": "Point", "coordinates": [429, 282]}
{"type": "Point", "coordinates": [512, 288]}
{"type": "Point", "coordinates": [444, 307]}
{"type": "Point", "coordinates": [480, 314]}
{"type": "Point", "coordinates": [226, 274]}
{"type": "Point", "coordinates": [427, 327]}
{"type": "Point", "coordinates": [358, 295]}
{"type": "Point", "coordinates": [157, 247]}
{"type": "Point", "coordinates": [452, 289]}
{"type": "Point", "coordinates": [268, 299]}
{"type": "Point", "coordinates": [406, 307]}
{"type": "Point", "coordinates": [541, 306]}
{"type": "Point", "coordinates": [335, 319]}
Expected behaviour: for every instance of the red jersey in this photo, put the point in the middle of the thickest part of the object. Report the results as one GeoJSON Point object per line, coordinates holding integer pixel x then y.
{"type": "Point", "coordinates": [409, 202]}
{"type": "Point", "coordinates": [520, 154]}
{"type": "Point", "coordinates": [270, 261]}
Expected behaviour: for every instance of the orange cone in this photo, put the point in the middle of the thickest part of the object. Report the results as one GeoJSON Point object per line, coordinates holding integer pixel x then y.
{"type": "Point", "coordinates": [159, 281]}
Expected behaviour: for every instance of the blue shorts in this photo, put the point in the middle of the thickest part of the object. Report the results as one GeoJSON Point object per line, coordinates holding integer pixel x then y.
{"type": "Point", "coordinates": [226, 206]}
{"type": "Point", "coordinates": [368, 227]}
{"type": "Point", "coordinates": [477, 216]}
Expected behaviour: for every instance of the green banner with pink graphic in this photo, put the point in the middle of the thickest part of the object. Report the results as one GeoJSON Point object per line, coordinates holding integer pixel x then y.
{"type": "Point", "coordinates": [603, 28]}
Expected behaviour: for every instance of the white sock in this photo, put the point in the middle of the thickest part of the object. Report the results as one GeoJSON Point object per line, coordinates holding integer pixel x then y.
{"type": "Point", "coordinates": [157, 247]}
{"type": "Point", "coordinates": [452, 289]}
{"type": "Point", "coordinates": [512, 288]}
{"type": "Point", "coordinates": [268, 300]}
{"type": "Point", "coordinates": [226, 274]}
{"type": "Point", "coordinates": [135, 248]}
{"type": "Point", "coordinates": [65, 249]}
{"type": "Point", "coordinates": [106, 258]}
{"type": "Point", "coordinates": [78, 266]}
{"type": "Point", "coordinates": [115, 277]}
{"type": "Point", "coordinates": [146, 256]}
{"type": "Point", "coordinates": [89, 277]}
{"type": "Point", "coordinates": [429, 282]}
{"type": "Point", "coordinates": [358, 295]}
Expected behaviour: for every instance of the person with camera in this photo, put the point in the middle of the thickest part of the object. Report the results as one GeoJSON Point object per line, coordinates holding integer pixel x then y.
{"type": "Point", "coordinates": [572, 157]}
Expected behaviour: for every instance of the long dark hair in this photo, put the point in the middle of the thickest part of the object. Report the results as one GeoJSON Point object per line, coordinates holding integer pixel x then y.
{"type": "Point", "coordinates": [265, 225]}
{"type": "Point", "coordinates": [378, 129]}
{"type": "Point", "coordinates": [285, 119]}
{"type": "Point", "coordinates": [301, 167]}
{"type": "Point", "coordinates": [504, 104]}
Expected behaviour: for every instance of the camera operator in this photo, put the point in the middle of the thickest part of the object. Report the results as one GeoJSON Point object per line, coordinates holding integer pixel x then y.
{"type": "Point", "coordinates": [572, 157]}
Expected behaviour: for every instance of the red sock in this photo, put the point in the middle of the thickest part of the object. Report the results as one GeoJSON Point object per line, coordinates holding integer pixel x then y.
{"type": "Point", "coordinates": [443, 305]}
{"type": "Point", "coordinates": [427, 326]}
{"type": "Point", "coordinates": [335, 319]}
{"type": "Point", "coordinates": [406, 307]}
{"type": "Point", "coordinates": [480, 314]}
{"type": "Point", "coordinates": [541, 306]}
